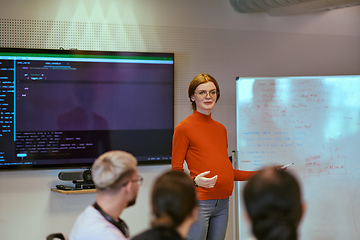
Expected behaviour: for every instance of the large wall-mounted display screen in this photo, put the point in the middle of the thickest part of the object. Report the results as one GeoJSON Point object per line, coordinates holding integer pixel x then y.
{"type": "Point", "coordinates": [63, 108]}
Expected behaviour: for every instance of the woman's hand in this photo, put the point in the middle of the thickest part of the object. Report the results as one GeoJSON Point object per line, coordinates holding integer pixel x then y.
{"type": "Point", "coordinates": [202, 181]}
{"type": "Point", "coordinates": [281, 168]}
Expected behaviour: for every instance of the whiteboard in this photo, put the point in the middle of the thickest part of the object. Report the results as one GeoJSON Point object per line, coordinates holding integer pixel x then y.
{"type": "Point", "coordinates": [315, 123]}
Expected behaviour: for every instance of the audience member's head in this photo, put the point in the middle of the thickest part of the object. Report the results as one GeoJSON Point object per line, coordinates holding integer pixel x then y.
{"type": "Point", "coordinates": [173, 201]}
{"type": "Point", "coordinates": [274, 204]}
{"type": "Point", "coordinates": [113, 170]}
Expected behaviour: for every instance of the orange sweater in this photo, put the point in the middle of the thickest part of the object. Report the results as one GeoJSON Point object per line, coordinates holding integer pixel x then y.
{"type": "Point", "coordinates": [202, 143]}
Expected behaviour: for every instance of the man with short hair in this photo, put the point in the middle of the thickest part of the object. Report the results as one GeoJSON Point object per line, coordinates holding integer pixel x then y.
{"type": "Point", "coordinates": [117, 182]}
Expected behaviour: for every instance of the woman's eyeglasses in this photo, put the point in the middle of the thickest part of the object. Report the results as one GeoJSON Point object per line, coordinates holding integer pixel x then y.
{"type": "Point", "coordinates": [203, 94]}
{"type": "Point", "coordinates": [139, 180]}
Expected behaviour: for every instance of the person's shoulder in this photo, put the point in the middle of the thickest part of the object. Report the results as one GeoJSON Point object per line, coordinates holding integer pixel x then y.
{"type": "Point", "coordinates": [90, 224]}
{"type": "Point", "coordinates": [87, 214]}
{"type": "Point", "coordinates": [185, 123]}
{"type": "Point", "coordinates": [218, 124]}
{"type": "Point", "coordinates": [158, 233]}
{"type": "Point", "coordinates": [251, 238]}
{"type": "Point", "coordinates": [149, 234]}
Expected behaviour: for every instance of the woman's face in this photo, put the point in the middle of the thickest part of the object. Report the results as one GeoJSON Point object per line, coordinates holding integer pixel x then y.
{"type": "Point", "coordinates": [205, 97]}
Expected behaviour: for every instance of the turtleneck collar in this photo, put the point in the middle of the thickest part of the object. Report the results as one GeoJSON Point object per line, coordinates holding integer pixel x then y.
{"type": "Point", "coordinates": [201, 116]}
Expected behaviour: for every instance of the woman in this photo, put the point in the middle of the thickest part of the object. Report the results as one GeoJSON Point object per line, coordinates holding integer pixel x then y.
{"type": "Point", "coordinates": [174, 206]}
{"type": "Point", "coordinates": [273, 203]}
{"type": "Point", "coordinates": [202, 143]}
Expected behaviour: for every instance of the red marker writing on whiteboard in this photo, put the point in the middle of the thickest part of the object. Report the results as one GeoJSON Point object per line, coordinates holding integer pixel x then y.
{"type": "Point", "coordinates": [288, 165]}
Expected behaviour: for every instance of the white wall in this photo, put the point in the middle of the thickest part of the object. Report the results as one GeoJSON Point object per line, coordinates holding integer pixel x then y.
{"type": "Point", "coordinates": [205, 35]}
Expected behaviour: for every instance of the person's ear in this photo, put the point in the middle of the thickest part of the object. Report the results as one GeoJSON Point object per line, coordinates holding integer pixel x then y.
{"type": "Point", "coordinates": [247, 218]}
{"type": "Point", "coordinates": [303, 208]}
{"type": "Point", "coordinates": [192, 98]}
{"type": "Point", "coordinates": [128, 187]}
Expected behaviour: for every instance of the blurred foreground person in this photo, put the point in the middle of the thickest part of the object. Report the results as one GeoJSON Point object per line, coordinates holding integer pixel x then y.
{"type": "Point", "coordinates": [274, 204]}
{"type": "Point", "coordinates": [174, 207]}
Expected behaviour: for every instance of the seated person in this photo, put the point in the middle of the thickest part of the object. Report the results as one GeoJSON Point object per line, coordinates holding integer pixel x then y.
{"type": "Point", "coordinates": [274, 205]}
{"type": "Point", "coordinates": [174, 207]}
{"type": "Point", "coordinates": [117, 182]}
